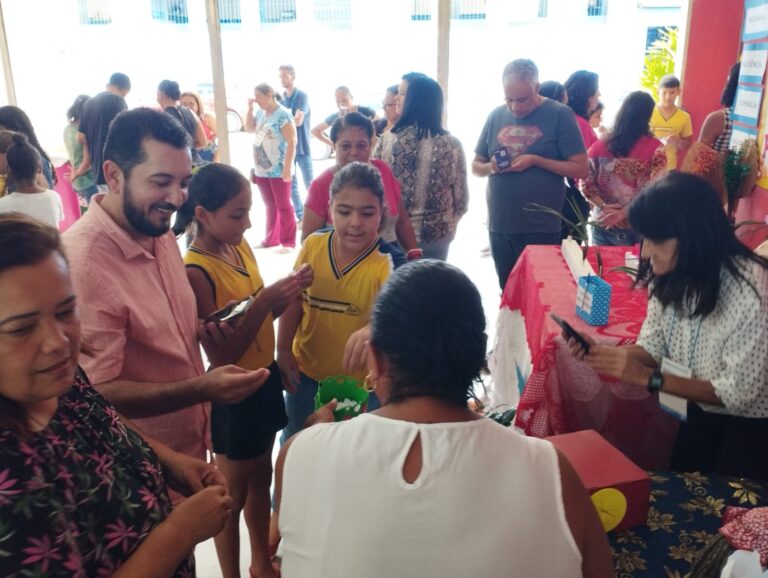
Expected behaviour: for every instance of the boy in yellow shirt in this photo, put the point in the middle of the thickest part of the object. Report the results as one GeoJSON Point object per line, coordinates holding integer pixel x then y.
{"type": "Point", "coordinates": [669, 123]}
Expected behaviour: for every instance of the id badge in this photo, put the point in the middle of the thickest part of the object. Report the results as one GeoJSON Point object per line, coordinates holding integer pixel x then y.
{"type": "Point", "coordinates": [675, 368]}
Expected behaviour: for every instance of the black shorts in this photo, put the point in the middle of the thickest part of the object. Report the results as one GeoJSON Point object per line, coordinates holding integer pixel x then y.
{"type": "Point", "coordinates": [245, 430]}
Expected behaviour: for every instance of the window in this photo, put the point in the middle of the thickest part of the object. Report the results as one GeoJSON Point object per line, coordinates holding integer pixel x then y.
{"type": "Point", "coordinates": [95, 12]}
{"type": "Point", "coordinates": [468, 9]}
{"type": "Point", "coordinates": [336, 14]}
{"type": "Point", "coordinates": [277, 11]}
{"type": "Point", "coordinates": [229, 11]}
{"type": "Point", "coordinates": [421, 11]}
{"type": "Point", "coordinates": [460, 10]}
{"type": "Point", "coordinates": [174, 11]}
{"type": "Point", "coordinates": [596, 7]}
{"type": "Point", "coordinates": [543, 8]}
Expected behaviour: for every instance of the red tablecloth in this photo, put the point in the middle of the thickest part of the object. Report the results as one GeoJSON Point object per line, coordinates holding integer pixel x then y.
{"type": "Point", "coordinates": [562, 394]}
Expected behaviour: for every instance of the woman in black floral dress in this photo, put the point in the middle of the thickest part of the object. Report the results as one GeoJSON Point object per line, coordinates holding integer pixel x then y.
{"type": "Point", "coordinates": [81, 494]}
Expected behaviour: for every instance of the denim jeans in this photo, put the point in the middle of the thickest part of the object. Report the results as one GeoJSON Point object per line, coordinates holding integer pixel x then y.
{"type": "Point", "coordinates": [437, 249]}
{"type": "Point", "coordinates": [304, 163]}
{"type": "Point", "coordinates": [507, 247]}
{"type": "Point", "coordinates": [615, 237]}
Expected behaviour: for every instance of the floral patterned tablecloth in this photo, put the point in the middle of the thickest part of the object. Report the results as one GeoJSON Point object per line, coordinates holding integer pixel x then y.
{"type": "Point", "coordinates": [686, 511]}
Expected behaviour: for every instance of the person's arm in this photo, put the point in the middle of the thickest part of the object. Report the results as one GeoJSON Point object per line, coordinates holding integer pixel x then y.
{"type": "Point", "coordinates": [482, 167]}
{"type": "Point", "coordinates": [621, 363]}
{"type": "Point", "coordinates": [289, 134]}
{"type": "Point", "coordinates": [85, 164]}
{"type": "Point", "coordinates": [226, 384]}
{"type": "Point", "coordinates": [460, 186]}
{"type": "Point", "coordinates": [319, 133]}
{"type": "Point", "coordinates": [250, 123]}
{"type": "Point", "coordinates": [589, 186]}
{"type": "Point", "coordinates": [302, 109]}
{"type": "Point", "coordinates": [584, 524]}
{"type": "Point", "coordinates": [574, 166]}
{"type": "Point", "coordinates": [279, 468]}
{"type": "Point", "coordinates": [210, 121]}
{"type": "Point", "coordinates": [194, 520]}
{"type": "Point", "coordinates": [404, 228]}
{"type": "Point", "coordinates": [201, 141]}
{"type": "Point", "coordinates": [312, 222]}
{"type": "Point", "coordinates": [713, 127]}
{"type": "Point", "coordinates": [271, 299]}
{"type": "Point", "coordinates": [286, 332]}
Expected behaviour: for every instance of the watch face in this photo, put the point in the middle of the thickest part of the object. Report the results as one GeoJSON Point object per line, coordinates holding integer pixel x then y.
{"type": "Point", "coordinates": [611, 506]}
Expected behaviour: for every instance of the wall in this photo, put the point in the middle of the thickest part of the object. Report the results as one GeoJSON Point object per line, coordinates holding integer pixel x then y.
{"type": "Point", "coordinates": [712, 46]}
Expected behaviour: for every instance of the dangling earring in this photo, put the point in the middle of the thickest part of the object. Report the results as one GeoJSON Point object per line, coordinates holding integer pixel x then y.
{"type": "Point", "coordinates": [369, 384]}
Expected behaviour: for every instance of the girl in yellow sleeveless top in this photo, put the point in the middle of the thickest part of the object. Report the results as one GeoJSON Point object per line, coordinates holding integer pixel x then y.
{"type": "Point", "coordinates": [222, 269]}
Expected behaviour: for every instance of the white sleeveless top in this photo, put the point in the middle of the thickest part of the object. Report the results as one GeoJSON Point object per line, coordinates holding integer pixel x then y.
{"type": "Point", "coordinates": [486, 504]}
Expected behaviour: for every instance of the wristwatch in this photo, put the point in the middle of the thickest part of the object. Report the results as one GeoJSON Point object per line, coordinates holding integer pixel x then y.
{"type": "Point", "coordinates": [656, 381]}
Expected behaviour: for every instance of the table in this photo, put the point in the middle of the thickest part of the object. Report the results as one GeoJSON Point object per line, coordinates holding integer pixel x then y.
{"type": "Point", "coordinates": [562, 394]}
{"type": "Point", "coordinates": [686, 512]}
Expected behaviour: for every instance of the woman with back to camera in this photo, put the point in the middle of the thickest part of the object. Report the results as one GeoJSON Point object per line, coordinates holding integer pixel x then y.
{"type": "Point", "coordinates": [619, 166]}
{"type": "Point", "coordinates": [29, 198]}
{"type": "Point", "coordinates": [718, 126]}
{"type": "Point", "coordinates": [168, 95]}
{"type": "Point", "coordinates": [15, 119]}
{"type": "Point", "coordinates": [430, 165]}
{"type": "Point", "coordinates": [352, 136]}
{"type": "Point", "coordinates": [84, 184]}
{"type": "Point", "coordinates": [705, 336]}
{"type": "Point", "coordinates": [554, 90]}
{"type": "Point", "coordinates": [583, 96]}
{"type": "Point", "coordinates": [83, 494]}
{"type": "Point", "coordinates": [427, 506]}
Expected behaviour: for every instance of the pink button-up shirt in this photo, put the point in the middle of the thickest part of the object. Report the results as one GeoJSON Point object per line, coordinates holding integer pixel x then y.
{"type": "Point", "coordinates": [139, 319]}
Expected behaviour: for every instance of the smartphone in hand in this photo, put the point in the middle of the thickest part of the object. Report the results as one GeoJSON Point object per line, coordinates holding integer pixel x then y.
{"type": "Point", "coordinates": [503, 160]}
{"type": "Point", "coordinates": [571, 332]}
{"type": "Point", "coordinates": [230, 312]}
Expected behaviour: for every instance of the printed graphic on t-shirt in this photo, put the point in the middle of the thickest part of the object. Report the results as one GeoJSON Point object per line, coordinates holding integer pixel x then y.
{"type": "Point", "coordinates": [517, 139]}
{"type": "Point", "coordinates": [345, 308]}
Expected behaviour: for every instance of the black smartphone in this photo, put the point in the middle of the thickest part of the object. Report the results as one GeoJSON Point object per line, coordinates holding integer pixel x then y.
{"type": "Point", "coordinates": [502, 159]}
{"type": "Point", "coordinates": [571, 332]}
{"type": "Point", "coordinates": [230, 312]}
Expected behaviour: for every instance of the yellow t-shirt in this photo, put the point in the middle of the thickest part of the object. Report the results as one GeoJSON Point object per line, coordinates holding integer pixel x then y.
{"type": "Point", "coordinates": [337, 304]}
{"type": "Point", "coordinates": [679, 124]}
{"type": "Point", "coordinates": [232, 283]}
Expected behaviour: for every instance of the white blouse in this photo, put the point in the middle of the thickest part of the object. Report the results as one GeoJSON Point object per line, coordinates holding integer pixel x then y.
{"type": "Point", "coordinates": [728, 347]}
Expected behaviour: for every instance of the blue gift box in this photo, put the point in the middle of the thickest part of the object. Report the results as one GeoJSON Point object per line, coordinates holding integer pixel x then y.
{"type": "Point", "coordinates": [593, 300]}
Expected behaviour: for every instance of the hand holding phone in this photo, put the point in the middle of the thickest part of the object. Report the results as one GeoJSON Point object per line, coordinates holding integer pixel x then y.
{"type": "Point", "coordinates": [230, 312]}
{"type": "Point", "coordinates": [571, 332]}
{"type": "Point", "coordinates": [503, 160]}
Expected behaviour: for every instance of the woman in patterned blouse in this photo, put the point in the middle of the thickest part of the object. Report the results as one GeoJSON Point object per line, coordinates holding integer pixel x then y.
{"type": "Point", "coordinates": [81, 494]}
{"type": "Point", "coordinates": [705, 336]}
{"type": "Point", "coordinates": [619, 166]}
{"type": "Point", "coordinates": [429, 162]}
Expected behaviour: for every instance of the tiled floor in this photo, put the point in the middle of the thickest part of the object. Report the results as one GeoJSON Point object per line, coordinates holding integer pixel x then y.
{"type": "Point", "coordinates": [466, 253]}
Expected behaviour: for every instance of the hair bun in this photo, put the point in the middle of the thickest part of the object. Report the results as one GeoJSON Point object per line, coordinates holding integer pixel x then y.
{"type": "Point", "coordinates": [19, 139]}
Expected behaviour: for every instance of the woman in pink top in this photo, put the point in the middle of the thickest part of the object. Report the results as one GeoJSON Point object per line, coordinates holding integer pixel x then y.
{"type": "Point", "coordinates": [583, 95]}
{"type": "Point", "coordinates": [619, 166]}
{"type": "Point", "coordinates": [352, 136]}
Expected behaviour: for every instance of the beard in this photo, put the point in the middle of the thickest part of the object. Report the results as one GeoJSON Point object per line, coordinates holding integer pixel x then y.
{"type": "Point", "coordinates": [139, 220]}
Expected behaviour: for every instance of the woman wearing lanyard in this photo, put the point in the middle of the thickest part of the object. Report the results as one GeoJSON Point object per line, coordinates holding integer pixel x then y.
{"type": "Point", "coordinates": [705, 336]}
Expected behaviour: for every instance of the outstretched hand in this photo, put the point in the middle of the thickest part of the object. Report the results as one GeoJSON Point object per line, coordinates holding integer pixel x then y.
{"type": "Point", "coordinates": [231, 384]}
{"type": "Point", "coordinates": [356, 351]}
